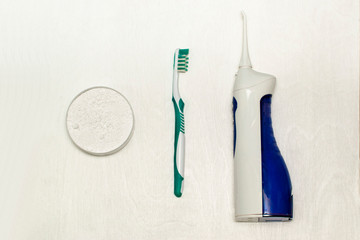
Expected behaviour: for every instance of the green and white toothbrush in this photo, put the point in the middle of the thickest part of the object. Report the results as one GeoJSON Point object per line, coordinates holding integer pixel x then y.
{"type": "Point", "coordinates": [180, 66]}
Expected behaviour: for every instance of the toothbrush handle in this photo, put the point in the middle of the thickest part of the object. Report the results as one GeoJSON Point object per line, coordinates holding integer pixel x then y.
{"type": "Point", "coordinates": [179, 147]}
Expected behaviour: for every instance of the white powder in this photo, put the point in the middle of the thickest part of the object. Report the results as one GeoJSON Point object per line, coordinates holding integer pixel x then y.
{"type": "Point", "coordinates": [100, 121]}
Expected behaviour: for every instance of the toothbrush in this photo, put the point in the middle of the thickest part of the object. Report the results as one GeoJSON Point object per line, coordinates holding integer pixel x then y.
{"type": "Point", "coordinates": [263, 189]}
{"type": "Point", "coordinates": [180, 66]}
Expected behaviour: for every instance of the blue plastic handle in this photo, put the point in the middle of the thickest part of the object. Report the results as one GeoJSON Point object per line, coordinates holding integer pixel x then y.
{"type": "Point", "coordinates": [276, 183]}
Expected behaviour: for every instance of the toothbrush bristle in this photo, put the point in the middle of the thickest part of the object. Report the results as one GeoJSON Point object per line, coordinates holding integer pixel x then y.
{"type": "Point", "coordinates": [183, 58]}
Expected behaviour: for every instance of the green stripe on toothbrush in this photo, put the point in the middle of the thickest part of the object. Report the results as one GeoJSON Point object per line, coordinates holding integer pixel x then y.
{"type": "Point", "coordinates": [179, 127]}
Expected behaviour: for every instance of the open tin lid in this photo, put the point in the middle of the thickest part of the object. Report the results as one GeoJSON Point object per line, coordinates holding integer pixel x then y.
{"type": "Point", "coordinates": [100, 121]}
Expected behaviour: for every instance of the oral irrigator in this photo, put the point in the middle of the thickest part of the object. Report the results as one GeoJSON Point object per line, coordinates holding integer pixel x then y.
{"type": "Point", "coordinates": [263, 189]}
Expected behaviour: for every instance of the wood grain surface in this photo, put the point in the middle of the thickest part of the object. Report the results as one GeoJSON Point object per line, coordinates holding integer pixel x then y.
{"type": "Point", "coordinates": [52, 50]}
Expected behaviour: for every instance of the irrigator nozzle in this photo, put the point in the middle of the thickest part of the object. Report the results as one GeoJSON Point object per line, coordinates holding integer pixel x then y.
{"type": "Point", "coordinates": [245, 59]}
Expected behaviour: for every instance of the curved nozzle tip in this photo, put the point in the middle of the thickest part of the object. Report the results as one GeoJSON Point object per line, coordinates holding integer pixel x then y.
{"type": "Point", "coordinates": [245, 59]}
{"type": "Point", "coordinates": [243, 15]}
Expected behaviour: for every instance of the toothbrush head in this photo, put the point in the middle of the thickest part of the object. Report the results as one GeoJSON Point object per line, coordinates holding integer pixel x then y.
{"type": "Point", "coordinates": [183, 60]}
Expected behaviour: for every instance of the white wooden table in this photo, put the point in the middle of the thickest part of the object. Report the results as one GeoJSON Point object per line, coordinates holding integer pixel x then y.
{"type": "Point", "coordinates": [51, 50]}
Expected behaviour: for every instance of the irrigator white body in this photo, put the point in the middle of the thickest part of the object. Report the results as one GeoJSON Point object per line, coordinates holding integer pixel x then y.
{"type": "Point", "coordinates": [263, 189]}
